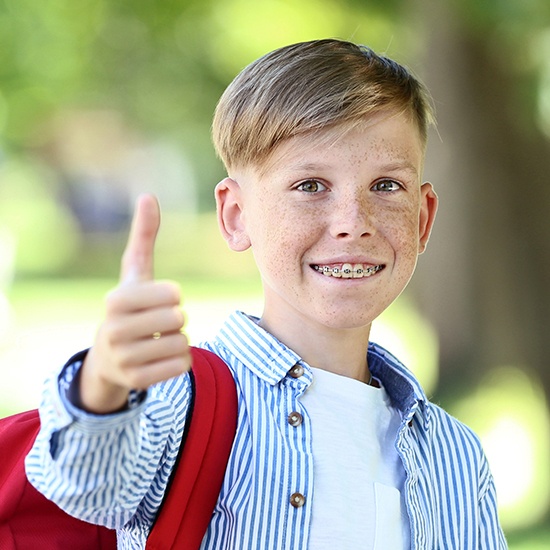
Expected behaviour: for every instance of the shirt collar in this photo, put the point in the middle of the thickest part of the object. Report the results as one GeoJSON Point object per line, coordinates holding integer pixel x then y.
{"type": "Point", "coordinates": [270, 360]}
{"type": "Point", "coordinates": [257, 349]}
{"type": "Point", "coordinates": [402, 387]}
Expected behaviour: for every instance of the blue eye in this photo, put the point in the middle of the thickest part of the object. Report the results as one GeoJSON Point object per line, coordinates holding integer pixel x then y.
{"type": "Point", "coordinates": [386, 186]}
{"type": "Point", "coordinates": [311, 186]}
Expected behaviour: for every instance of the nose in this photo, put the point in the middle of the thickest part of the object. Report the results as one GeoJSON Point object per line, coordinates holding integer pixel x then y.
{"type": "Point", "coordinates": [352, 217]}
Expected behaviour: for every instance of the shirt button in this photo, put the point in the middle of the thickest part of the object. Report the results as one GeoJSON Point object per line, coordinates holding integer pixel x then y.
{"type": "Point", "coordinates": [297, 500]}
{"type": "Point", "coordinates": [296, 371]}
{"type": "Point", "coordinates": [295, 419]}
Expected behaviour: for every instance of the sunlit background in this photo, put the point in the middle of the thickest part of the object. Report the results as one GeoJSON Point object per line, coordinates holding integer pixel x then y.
{"type": "Point", "coordinates": [102, 100]}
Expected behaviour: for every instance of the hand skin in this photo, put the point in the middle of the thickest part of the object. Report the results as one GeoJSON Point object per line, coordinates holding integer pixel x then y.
{"type": "Point", "coordinates": [125, 356]}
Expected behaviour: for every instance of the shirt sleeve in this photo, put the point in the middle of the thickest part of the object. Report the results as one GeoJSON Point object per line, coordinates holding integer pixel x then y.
{"type": "Point", "coordinates": [491, 535]}
{"type": "Point", "coordinates": [108, 469]}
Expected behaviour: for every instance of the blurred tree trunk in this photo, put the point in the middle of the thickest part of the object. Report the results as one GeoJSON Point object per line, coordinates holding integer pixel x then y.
{"type": "Point", "coordinates": [485, 280]}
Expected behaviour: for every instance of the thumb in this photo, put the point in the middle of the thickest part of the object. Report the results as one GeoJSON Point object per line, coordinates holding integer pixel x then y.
{"type": "Point", "coordinates": [138, 257]}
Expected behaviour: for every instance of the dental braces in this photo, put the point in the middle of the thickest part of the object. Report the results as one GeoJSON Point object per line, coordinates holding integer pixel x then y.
{"type": "Point", "coordinates": [348, 271]}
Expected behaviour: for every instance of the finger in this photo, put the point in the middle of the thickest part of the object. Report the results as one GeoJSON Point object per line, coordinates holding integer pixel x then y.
{"type": "Point", "coordinates": [131, 328]}
{"type": "Point", "coordinates": [147, 375]}
{"type": "Point", "coordinates": [149, 351]}
{"type": "Point", "coordinates": [138, 257]}
{"type": "Point", "coordinates": [152, 295]}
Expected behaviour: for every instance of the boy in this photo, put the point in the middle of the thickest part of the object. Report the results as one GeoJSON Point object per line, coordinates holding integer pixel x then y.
{"type": "Point", "coordinates": [337, 446]}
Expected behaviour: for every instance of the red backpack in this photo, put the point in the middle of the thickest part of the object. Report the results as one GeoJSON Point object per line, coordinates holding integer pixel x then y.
{"type": "Point", "coordinates": [28, 520]}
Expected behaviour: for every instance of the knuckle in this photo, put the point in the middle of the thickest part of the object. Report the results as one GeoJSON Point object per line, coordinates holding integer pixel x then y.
{"type": "Point", "coordinates": [184, 342]}
{"type": "Point", "coordinates": [125, 361]}
{"type": "Point", "coordinates": [112, 333]}
{"type": "Point", "coordinates": [115, 334]}
{"type": "Point", "coordinates": [114, 302]}
{"type": "Point", "coordinates": [171, 290]}
{"type": "Point", "coordinates": [177, 344]}
{"type": "Point", "coordinates": [178, 317]}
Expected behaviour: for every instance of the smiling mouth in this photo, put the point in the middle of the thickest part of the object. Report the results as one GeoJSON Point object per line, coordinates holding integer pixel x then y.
{"type": "Point", "coordinates": [348, 271]}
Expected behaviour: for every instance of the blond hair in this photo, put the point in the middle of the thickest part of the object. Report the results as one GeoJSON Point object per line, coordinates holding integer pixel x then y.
{"type": "Point", "coordinates": [307, 87]}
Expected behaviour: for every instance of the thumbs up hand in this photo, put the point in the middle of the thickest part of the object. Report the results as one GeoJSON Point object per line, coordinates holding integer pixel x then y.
{"type": "Point", "coordinates": [140, 341]}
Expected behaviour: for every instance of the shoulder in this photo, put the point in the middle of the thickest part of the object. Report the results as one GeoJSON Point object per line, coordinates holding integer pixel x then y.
{"type": "Point", "coordinates": [434, 427]}
{"type": "Point", "coordinates": [446, 427]}
{"type": "Point", "coordinates": [455, 452]}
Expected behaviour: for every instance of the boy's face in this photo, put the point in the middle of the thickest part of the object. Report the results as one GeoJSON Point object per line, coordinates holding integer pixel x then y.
{"type": "Point", "coordinates": [323, 207]}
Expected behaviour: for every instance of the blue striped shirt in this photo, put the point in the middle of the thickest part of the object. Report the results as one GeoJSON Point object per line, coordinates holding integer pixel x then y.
{"type": "Point", "coordinates": [113, 469]}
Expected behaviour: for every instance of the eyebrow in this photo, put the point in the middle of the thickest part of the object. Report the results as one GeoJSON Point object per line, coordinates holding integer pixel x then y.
{"type": "Point", "coordinates": [398, 166]}
{"type": "Point", "coordinates": [307, 167]}
{"type": "Point", "coordinates": [395, 166]}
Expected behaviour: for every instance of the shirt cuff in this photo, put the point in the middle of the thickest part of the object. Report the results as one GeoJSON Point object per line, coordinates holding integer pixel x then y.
{"type": "Point", "coordinates": [67, 413]}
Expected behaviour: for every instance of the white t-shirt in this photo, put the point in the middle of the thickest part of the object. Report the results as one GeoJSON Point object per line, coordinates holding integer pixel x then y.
{"type": "Point", "coordinates": [358, 477]}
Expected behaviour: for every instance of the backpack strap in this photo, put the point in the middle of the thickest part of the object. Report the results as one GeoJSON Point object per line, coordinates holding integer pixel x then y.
{"type": "Point", "coordinates": [198, 475]}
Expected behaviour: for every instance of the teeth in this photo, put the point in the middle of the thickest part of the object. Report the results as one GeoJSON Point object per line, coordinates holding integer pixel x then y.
{"type": "Point", "coordinates": [348, 271]}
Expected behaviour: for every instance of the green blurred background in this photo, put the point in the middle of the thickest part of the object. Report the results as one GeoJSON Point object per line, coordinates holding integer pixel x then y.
{"type": "Point", "coordinates": [101, 100]}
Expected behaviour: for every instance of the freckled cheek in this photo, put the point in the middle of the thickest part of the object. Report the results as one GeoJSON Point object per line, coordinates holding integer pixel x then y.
{"type": "Point", "coordinates": [286, 227]}
{"type": "Point", "coordinates": [401, 230]}
{"type": "Point", "coordinates": [280, 254]}
{"type": "Point", "coordinates": [272, 239]}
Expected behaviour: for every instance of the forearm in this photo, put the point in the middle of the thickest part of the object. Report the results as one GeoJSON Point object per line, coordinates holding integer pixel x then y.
{"type": "Point", "coordinates": [101, 467]}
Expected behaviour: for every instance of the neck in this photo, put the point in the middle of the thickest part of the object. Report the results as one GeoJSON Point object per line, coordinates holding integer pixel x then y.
{"type": "Point", "coordinates": [339, 350]}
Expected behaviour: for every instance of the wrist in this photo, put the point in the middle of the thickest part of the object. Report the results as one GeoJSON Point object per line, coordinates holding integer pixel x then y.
{"type": "Point", "coordinates": [95, 395]}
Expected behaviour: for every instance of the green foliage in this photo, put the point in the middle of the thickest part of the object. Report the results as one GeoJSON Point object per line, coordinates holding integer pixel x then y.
{"type": "Point", "coordinates": [504, 14]}
{"type": "Point", "coordinates": [515, 35]}
{"type": "Point", "coordinates": [44, 50]}
{"type": "Point", "coordinates": [44, 233]}
{"type": "Point", "coordinates": [242, 34]}
{"type": "Point", "coordinates": [164, 64]}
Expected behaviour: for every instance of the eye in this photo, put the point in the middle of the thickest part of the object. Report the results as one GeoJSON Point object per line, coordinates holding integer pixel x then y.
{"type": "Point", "coordinates": [387, 186]}
{"type": "Point", "coordinates": [311, 186]}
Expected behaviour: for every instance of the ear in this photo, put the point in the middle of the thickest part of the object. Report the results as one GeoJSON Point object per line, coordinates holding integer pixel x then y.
{"type": "Point", "coordinates": [428, 210]}
{"type": "Point", "coordinates": [229, 207]}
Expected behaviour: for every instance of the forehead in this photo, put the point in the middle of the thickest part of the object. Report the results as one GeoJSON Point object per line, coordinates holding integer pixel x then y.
{"type": "Point", "coordinates": [385, 139]}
